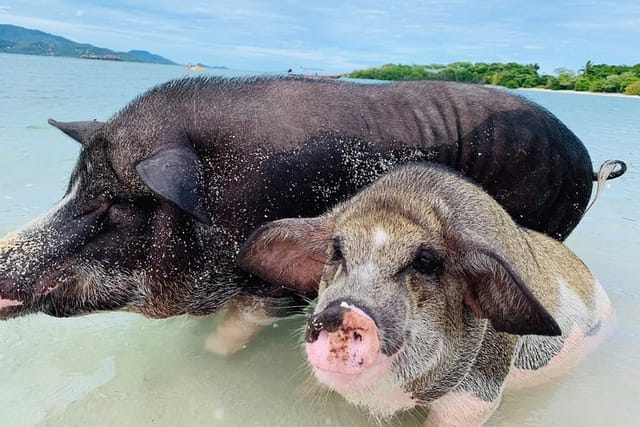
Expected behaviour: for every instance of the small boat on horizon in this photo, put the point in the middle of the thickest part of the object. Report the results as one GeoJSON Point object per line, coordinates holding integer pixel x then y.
{"type": "Point", "coordinates": [196, 67]}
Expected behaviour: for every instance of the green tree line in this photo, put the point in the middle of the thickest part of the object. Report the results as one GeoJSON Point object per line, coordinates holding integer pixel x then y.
{"type": "Point", "coordinates": [592, 77]}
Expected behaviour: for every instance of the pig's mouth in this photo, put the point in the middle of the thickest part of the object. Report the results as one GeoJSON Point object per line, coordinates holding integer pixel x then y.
{"type": "Point", "coordinates": [66, 292]}
{"type": "Point", "coordinates": [10, 308]}
{"type": "Point", "coordinates": [7, 302]}
{"type": "Point", "coordinates": [14, 303]}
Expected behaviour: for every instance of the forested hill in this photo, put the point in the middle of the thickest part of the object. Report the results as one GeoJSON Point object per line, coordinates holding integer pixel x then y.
{"type": "Point", "coordinates": [592, 77]}
{"type": "Point", "coordinates": [21, 40]}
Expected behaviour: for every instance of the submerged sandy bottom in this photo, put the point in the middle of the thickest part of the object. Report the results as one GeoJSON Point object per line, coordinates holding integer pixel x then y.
{"type": "Point", "coordinates": [117, 369]}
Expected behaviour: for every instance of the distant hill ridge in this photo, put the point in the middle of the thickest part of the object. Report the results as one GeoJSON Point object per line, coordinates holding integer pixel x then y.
{"type": "Point", "coordinates": [14, 39]}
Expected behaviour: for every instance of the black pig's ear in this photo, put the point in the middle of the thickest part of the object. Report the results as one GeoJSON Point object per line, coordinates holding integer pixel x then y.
{"type": "Point", "coordinates": [289, 252]}
{"type": "Point", "coordinates": [80, 131]}
{"type": "Point", "coordinates": [495, 291]}
{"type": "Point", "coordinates": [175, 174]}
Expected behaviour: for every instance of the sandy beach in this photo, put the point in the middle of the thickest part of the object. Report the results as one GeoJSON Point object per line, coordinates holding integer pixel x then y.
{"type": "Point", "coordinates": [616, 95]}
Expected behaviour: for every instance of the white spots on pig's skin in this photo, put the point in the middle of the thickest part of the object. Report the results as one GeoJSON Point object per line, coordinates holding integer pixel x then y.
{"type": "Point", "coordinates": [380, 236]}
{"type": "Point", "coordinates": [360, 164]}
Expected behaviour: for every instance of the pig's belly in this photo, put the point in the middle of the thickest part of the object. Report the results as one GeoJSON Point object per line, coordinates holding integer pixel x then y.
{"type": "Point", "coordinates": [577, 346]}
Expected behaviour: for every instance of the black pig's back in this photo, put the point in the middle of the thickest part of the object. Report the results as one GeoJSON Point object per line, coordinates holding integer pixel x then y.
{"type": "Point", "coordinates": [283, 147]}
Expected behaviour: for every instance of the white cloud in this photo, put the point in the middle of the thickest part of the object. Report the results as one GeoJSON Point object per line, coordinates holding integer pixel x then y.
{"type": "Point", "coordinates": [338, 36]}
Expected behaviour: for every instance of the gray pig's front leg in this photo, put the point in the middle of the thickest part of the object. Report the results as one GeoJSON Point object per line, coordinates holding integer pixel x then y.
{"type": "Point", "coordinates": [461, 409]}
{"type": "Point", "coordinates": [478, 395]}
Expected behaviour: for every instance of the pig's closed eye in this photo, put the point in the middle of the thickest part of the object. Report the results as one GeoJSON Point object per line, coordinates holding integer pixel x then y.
{"type": "Point", "coordinates": [133, 213]}
{"type": "Point", "coordinates": [119, 213]}
{"type": "Point", "coordinates": [99, 204]}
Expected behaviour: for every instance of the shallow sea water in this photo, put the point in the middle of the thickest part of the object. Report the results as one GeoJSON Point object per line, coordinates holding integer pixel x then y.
{"type": "Point", "coordinates": [121, 369]}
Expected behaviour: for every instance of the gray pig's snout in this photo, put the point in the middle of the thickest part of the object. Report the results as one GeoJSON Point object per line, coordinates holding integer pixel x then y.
{"type": "Point", "coordinates": [330, 319]}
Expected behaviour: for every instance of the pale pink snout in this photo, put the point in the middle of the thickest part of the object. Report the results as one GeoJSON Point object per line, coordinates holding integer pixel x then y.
{"type": "Point", "coordinates": [347, 347]}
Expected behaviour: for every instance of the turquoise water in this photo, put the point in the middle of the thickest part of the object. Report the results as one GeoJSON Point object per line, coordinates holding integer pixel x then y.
{"type": "Point", "coordinates": [121, 369]}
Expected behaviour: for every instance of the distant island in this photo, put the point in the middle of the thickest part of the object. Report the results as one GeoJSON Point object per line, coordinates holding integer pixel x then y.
{"type": "Point", "coordinates": [591, 78]}
{"type": "Point", "coordinates": [14, 39]}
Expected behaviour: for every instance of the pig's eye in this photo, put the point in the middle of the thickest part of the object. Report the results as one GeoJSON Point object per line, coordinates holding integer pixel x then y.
{"type": "Point", "coordinates": [427, 262]}
{"type": "Point", "coordinates": [120, 213]}
{"type": "Point", "coordinates": [336, 252]}
{"type": "Point", "coordinates": [94, 205]}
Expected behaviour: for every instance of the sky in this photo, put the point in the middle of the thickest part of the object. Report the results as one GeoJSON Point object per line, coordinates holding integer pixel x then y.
{"type": "Point", "coordinates": [332, 36]}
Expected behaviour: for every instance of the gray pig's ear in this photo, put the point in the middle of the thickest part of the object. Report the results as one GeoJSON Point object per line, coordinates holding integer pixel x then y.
{"type": "Point", "coordinates": [80, 131]}
{"type": "Point", "coordinates": [289, 252]}
{"type": "Point", "coordinates": [494, 291]}
{"type": "Point", "coordinates": [175, 174]}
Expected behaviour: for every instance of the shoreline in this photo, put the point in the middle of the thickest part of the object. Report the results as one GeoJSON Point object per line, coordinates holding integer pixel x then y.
{"type": "Point", "coordinates": [614, 95]}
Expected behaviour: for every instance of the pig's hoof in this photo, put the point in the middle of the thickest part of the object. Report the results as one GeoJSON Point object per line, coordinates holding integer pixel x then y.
{"type": "Point", "coordinates": [223, 346]}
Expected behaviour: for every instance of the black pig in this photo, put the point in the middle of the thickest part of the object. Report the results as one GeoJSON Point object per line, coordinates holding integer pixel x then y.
{"type": "Point", "coordinates": [166, 191]}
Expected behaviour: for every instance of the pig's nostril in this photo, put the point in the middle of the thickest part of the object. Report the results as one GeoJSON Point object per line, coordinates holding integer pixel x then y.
{"type": "Point", "coordinates": [314, 326]}
{"type": "Point", "coordinates": [357, 337]}
{"type": "Point", "coordinates": [311, 335]}
{"type": "Point", "coordinates": [317, 325]}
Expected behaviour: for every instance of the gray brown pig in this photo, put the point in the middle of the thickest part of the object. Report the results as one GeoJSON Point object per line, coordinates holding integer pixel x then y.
{"type": "Point", "coordinates": [430, 295]}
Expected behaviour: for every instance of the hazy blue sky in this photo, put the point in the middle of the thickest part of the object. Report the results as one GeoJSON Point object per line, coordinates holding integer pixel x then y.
{"type": "Point", "coordinates": [334, 36]}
